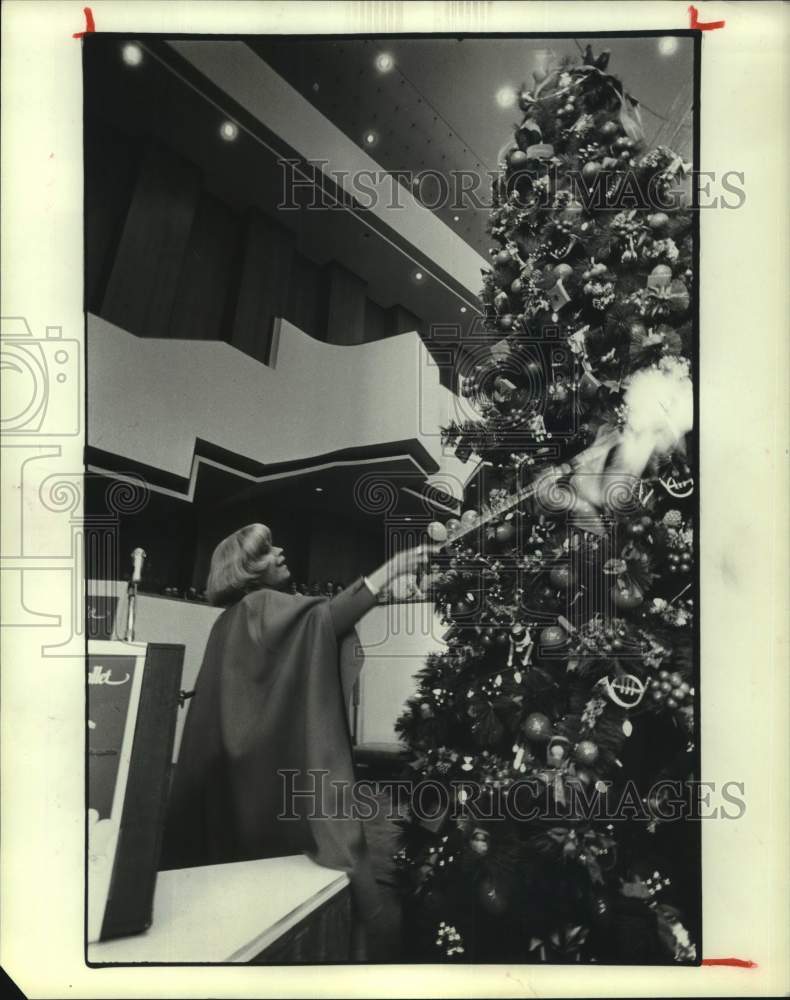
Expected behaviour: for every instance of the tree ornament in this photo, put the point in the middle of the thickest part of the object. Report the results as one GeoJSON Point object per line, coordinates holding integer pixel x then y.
{"type": "Point", "coordinates": [586, 752]}
{"type": "Point", "coordinates": [658, 220]}
{"type": "Point", "coordinates": [553, 636]}
{"type": "Point", "coordinates": [625, 690]}
{"type": "Point", "coordinates": [469, 518]}
{"type": "Point", "coordinates": [537, 727]}
{"type": "Point", "coordinates": [453, 526]}
{"type": "Point", "coordinates": [563, 271]}
{"type": "Point", "coordinates": [626, 596]}
{"type": "Point", "coordinates": [557, 750]}
{"type": "Point", "coordinates": [562, 577]}
{"type": "Point", "coordinates": [479, 841]}
{"type": "Point", "coordinates": [492, 899]}
{"type": "Point", "coordinates": [660, 277]}
{"type": "Point", "coordinates": [591, 170]}
{"type": "Point", "coordinates": [505, 532]}
{"type": "Point", "coordinates": [437, 532]}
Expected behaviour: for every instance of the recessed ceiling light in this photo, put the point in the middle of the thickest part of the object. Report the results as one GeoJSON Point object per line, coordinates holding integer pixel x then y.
{"type": "Point", "coordinates": [668, 45]}
{"type": "Point", "coordinates": [506, 97]}
{"type": "Point", "coordinates": [319, 489]}
{"type": "Point", "coordinates": [370, 138]}
{"type": "Point", "coordinates": [229, 131]}
{"type": "Point", "coordinates": [132, 54]}
{"type": "Point", "coordinates": [384, 62]}
{"type": "Point", "coordinates": [463, 309]}
{"type": "Point", "coordinates": [456, 218]}
{"type": "Point", "coordinates": [407, 519]}
{"type": "Point", "coordinates": [418, 275]}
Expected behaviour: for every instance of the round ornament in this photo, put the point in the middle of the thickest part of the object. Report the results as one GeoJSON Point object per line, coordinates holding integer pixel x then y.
{"type": "Point", "coordinates": [660, 276]}
{"type": "Point", "coordinates": [591, 170]}
{"type": "Point", "coordinates": [437, 532]}
{"type": "Point", "coordinates": [553, 635]}
{"type": "Point", "coordinates": [627, 597]}
{"type": "Point", "coordinates": [469, 518]}
{"type": "Point", "coordinates": [537, 726]}
{"type": "Point", "coordinates": [505, 532]}
{"type": "Point", "coordinates": [452, 526]}
{"type": "Point", "coordinates": [658, 220]}
{"type": "Point", "coordinates": [517, 159]}
{"type": "Point", "coordinates": [586, 752]}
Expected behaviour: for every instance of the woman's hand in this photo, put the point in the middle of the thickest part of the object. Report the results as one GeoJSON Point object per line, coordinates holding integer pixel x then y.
{"type": "Point", "coordinates": [402, 563]}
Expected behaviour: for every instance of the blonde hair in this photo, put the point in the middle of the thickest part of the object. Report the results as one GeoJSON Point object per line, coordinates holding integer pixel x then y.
{"type": "Point", "coordinates": [237, 564]}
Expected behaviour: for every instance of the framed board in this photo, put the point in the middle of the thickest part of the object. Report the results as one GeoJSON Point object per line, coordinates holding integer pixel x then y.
{"type": "Point", "coordinates": [132, 702]}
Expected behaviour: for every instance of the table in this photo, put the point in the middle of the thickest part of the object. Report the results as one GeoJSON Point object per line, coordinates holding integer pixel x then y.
{"type": "Point", "coordinates": [272, 911]}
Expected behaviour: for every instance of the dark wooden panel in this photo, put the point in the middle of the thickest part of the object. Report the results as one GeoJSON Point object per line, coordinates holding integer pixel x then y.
{"type": "Point", "coordinates": [205, 279]}
{"type": "Point", "coordinates": [111, 163]}
{"type": "Point", "coordinates": [345, 320]}
{"type": "Point", "coordinates": [265, 275]}
{"type": "Point", "coordinates": [142, 286]}
{"type": "Point", "coordinates": [323, 936]}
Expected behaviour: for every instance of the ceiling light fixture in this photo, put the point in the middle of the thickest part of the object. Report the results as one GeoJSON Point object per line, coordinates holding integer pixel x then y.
{"type": "Point", "coordinates": [418, 275]}
{"type": "Point", "coordinates": [371, 138]}
{"type": "Point", "coordinates": [463, 309]}
{"type": "Point", "coordinates": [229, 131]}
{"type": "Point", "coordinates": [132, 54]}
{"type": "Point", "coordinates": [319, 489]}
{"type": "Point", "coordinates": [668, 45]}
{"type": "Point", "coordinates": [384, 62]}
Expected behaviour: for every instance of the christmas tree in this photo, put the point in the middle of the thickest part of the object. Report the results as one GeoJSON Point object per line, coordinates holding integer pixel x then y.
{"type": "Point", "coordinates": [553, 738]}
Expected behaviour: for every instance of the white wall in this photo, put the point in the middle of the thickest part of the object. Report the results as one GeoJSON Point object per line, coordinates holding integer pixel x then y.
{"type": "Point", "coordinates": [149, 399]}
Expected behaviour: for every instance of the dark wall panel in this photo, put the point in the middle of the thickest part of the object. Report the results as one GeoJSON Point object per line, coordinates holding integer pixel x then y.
{"type": "Point", "coordinates": [265, 275]}
{"type": "Point", "coordinates": [203, 286]}
{"type": "Point", "coordinates": [142, 286]}
{"type": "Point", "coordinates": [345, 318]}
{"type": "Point", "coordinates": [111, 164]}
{"type": "Point", "coordinates": [305, 303]}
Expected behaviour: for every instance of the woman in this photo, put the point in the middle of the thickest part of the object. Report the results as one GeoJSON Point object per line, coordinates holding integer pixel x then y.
{"type": "Point", "coordinates": [267, 729]}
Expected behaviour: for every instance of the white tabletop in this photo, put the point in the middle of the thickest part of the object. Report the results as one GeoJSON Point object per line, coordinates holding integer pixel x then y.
{"type": "Point", "coordinates": [225, 913]}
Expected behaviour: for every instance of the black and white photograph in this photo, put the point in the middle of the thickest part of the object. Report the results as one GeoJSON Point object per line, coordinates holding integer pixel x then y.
{"type": "Point", "coordinates": [394, 543]}
{"type": "Point", "coordinates": [391, 358]}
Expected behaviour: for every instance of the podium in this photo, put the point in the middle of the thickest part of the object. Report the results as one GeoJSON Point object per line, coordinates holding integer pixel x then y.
{"type": "Point", "coordinates": [132, 703]}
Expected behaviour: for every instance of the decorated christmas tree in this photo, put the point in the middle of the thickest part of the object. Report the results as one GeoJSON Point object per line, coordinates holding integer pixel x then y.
{"type": "Point", "coordinates": [553, 737]}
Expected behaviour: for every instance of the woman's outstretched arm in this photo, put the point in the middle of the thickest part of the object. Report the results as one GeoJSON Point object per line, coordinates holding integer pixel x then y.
{"type": "Point", "coordinates": [350, 605]}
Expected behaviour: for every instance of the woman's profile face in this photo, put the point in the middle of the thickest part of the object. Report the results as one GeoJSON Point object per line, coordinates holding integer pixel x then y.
{"type": "Point", "coordinates": [275, 573]}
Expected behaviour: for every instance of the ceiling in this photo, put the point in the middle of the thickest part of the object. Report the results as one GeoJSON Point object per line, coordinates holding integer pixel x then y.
{"type": "Point", "coordinates": [436, 108]}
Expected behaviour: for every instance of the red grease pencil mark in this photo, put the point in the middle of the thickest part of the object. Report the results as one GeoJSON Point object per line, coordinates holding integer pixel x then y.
{"type": "Point", "coordinates": [89, 25]}
{"type": "Point", "coordinates": [702, 25]}
{"type": "Point", "coordinates": [737, 963]}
